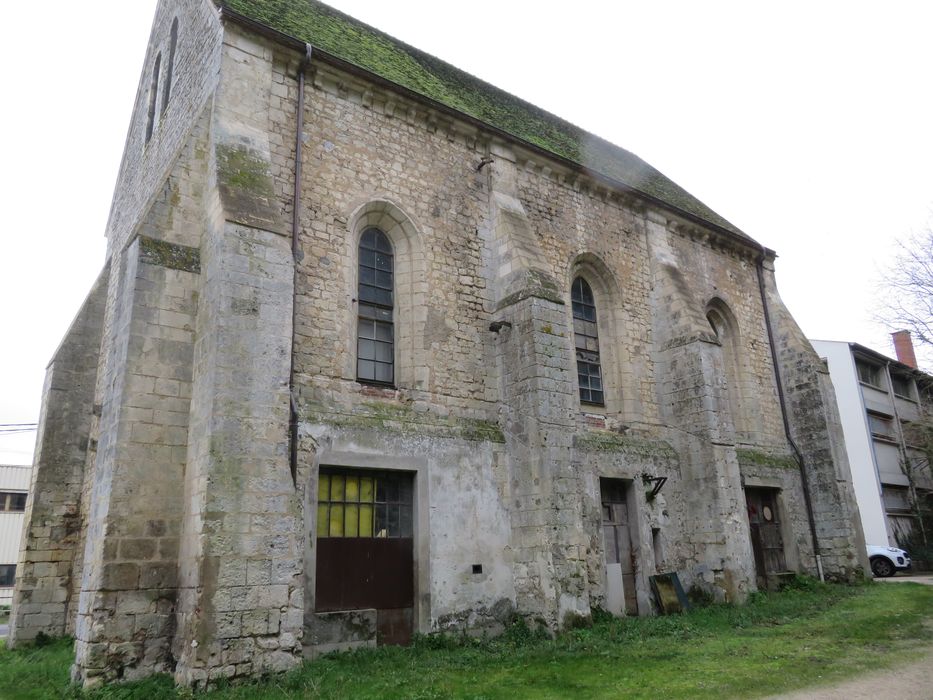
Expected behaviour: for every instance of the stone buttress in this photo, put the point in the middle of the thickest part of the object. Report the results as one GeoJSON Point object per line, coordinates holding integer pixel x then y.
{"type": "Point", "coordinates": [538, 400]}
{"type": "Point", "coordinates": [816, 428]}
{"type": "Point", "coordinates": [53, 529]}
{"type": "Point", "coordinates": [688, 368]}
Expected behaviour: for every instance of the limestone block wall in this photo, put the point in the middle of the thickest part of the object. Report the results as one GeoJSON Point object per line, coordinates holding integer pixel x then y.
{"type": "Point", "coordinates": [461, 514]}
{"type": "Point", "coordinates": [583, 230]}
{"type": "Point", "coordinates": [359, 149]}
{"type": "Point", "coordinates": [194, 72]}
{"type": "Point", "coordinates": [175, 217]}
{"type": "Point", "coordinates": [817, 431]}
{"type": "Point", "coordinates": [240, 591]}
{"type": "Point", "coordinates": [52, 521]}
{"type": "Point", "coordinates": [197, 541]}
{"type": "Point", "coordinates": [126, 609]}
{"type": "Point", "coordinates": [356, 161]}
{"type": "Point", "coordinates": [719, 272]}
{"type": "Point", "coordinates": [657, 541]}
{"type": "Point", "coordinates": [548, 539]}
{"type": "Point", "coordinates": [690, 366]}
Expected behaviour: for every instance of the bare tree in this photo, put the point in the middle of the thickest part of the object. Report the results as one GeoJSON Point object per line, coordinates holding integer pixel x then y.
{"type": "Point", "coordinates": [906, 294]}
{"type": "Point", "coordinates": [917, 469]}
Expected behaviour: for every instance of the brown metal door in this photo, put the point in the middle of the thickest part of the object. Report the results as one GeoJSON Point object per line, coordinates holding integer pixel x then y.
{"type": "Point", "coordinates": [618, 538]}
{"type": "Point", "coordinates": [765, 529]}
{"type": "Point", "coordinates": [365, 548]}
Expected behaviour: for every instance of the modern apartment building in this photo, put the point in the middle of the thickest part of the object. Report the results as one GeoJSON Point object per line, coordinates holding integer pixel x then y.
{"type": "Point", "coordinates": [881, 404]}
{"type": "Point", "coordinates": [14, 485]}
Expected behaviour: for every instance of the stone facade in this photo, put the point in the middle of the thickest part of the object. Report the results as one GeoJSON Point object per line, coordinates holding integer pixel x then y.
{"type": "Point", "coordinates": [171, 530]}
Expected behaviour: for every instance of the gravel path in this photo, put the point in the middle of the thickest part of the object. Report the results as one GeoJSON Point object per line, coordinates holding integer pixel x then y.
{"type": "Point", "coordinates": [911, 682]}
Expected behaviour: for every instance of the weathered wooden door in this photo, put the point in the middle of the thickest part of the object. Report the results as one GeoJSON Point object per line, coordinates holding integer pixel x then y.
{"type": "Point", "coordinates": [365, 548]}
{"type": "Point", "coordinates": [617, 541]}
{"type": "Point", "coordinates": [767, 541]}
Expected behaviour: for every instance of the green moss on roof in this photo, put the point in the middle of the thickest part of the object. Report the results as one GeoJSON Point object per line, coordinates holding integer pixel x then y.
{"type": "Point", "coordinates": [351, 40]}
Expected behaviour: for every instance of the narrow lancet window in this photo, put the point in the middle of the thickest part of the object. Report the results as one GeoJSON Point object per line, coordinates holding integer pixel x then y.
{"type": "Point", "coordinates": [153, 94]}
{"type": "Point", "coordinates": [375, 349]}
{"type": "Point", "coordinates": [167, 90]}
{"type": "Point", "coordinates": [586, 339]}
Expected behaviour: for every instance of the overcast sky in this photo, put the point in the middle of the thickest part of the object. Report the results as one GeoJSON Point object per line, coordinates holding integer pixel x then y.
{"type": "Point", "coordinates": [808, 125]}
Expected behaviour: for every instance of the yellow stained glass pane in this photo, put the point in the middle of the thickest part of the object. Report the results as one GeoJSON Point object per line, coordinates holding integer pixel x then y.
{"type": "Point", "coordinates": [366, 521]}
{"type": "Point", "coordinates": [322, 520]}
{"type": "Point", "coordinates": [366, 489]}
{"type": "Point", "coordinates": [336, 520]}
{"type": "Point", "coordinates": [336, 487]}
{"type": "Point", "coordinates": [352, 521]}
{"type": "Point", "coordinates": [323, 487]}
{"type": "Point", "coordinates": [353, 489]}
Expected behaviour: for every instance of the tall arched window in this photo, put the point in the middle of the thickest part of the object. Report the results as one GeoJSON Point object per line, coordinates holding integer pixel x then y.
{"type": "Point", "coordinates": [722, 322]}
{"type": "Point", "coordinates": [586, 340]}
{"type": "Point", "coordinates": [375, 346]}
{"type": "Point", "coordinates": [153, 93]}
{"type": "Point", "coordinates": [173, 40]}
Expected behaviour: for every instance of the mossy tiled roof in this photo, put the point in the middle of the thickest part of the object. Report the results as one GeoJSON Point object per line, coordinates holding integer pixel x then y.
{"type": "Point", "coordinates": [355, 42]}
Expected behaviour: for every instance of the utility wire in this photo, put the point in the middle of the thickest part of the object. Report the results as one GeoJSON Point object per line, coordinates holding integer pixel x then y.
{"type": "Point", "coordinates": [17, 430]}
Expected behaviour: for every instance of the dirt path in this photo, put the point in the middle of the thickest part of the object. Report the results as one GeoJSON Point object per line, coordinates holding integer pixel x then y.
{"type": "Point", "coordinates": [911, 682]}
{"type": "Point", "coordinates": [925, 578]}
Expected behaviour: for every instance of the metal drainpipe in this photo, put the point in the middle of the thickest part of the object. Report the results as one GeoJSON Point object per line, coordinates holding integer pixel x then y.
{"type": "Point", "coordinates": [805, 482]}
{"type": "Point", "coordinates": [296, 202]}
{"type": "Point", "coordinates": [901, 444]}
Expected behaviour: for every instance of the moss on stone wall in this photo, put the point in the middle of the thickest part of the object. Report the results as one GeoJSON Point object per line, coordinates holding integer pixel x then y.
{"type": "Point", "coordinates": [171, 255]}
{"type": "Point", "coordinates": [402, 419]}
{"type": "Point", "coordinates": [538, 284]}
{"type": "Point", "coordinates": [240, 169]}
{"type": "Point", "coordinates": [757, 458]}
{"type": "Point", "coordinates": [607, 441]}
{"type": "Point", "coordinates": [247, 189]}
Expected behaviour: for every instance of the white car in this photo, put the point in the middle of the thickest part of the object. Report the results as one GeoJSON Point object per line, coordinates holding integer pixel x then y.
{"type": "Point", "coordinates": [887, 561]}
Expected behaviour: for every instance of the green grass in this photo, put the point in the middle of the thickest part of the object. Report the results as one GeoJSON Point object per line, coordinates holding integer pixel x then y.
{"type": "Point", "coordinates": [807, 635]}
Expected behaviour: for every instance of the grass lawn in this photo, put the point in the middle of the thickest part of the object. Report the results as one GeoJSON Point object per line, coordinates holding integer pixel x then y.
{"type": "Point", "coordinates": [806, 635]}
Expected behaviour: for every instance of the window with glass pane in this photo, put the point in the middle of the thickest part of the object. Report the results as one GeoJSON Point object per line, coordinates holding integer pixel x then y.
{"type": "Point", "coordinates": [14, 501]}
{"type": "Point", "coordinates": [881, 425]}
{"type": "Point", "coordinates": [375, 349]}
{"type": "Point", "coordinates": [364, 504]}
{"type": "Point", "coordinates": [586, 339]}
{"type": "Point", "coordinates": [902, 386]}
{"type": "Point", "coordinates": [868, 373]}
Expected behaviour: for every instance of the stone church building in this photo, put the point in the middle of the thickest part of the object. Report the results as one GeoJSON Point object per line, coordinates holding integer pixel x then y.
{"type": "Point", "coordinates": [456, 362]}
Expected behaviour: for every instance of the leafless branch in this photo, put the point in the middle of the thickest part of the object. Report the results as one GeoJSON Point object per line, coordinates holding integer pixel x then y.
{"type": "Point", "coordinates": [906, 292]}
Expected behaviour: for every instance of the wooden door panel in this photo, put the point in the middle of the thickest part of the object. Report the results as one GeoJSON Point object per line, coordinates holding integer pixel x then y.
{"type": "Point", "coordinates": [617, 539]}
{"type": "Point", "coordinates": [765, 532]}
{"type": "Point", "coordinates": [359, 573]}
{"type": "Point", "coordinates": [612, 546]}
{"type": "Point", "coordinates": [394, 627]}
